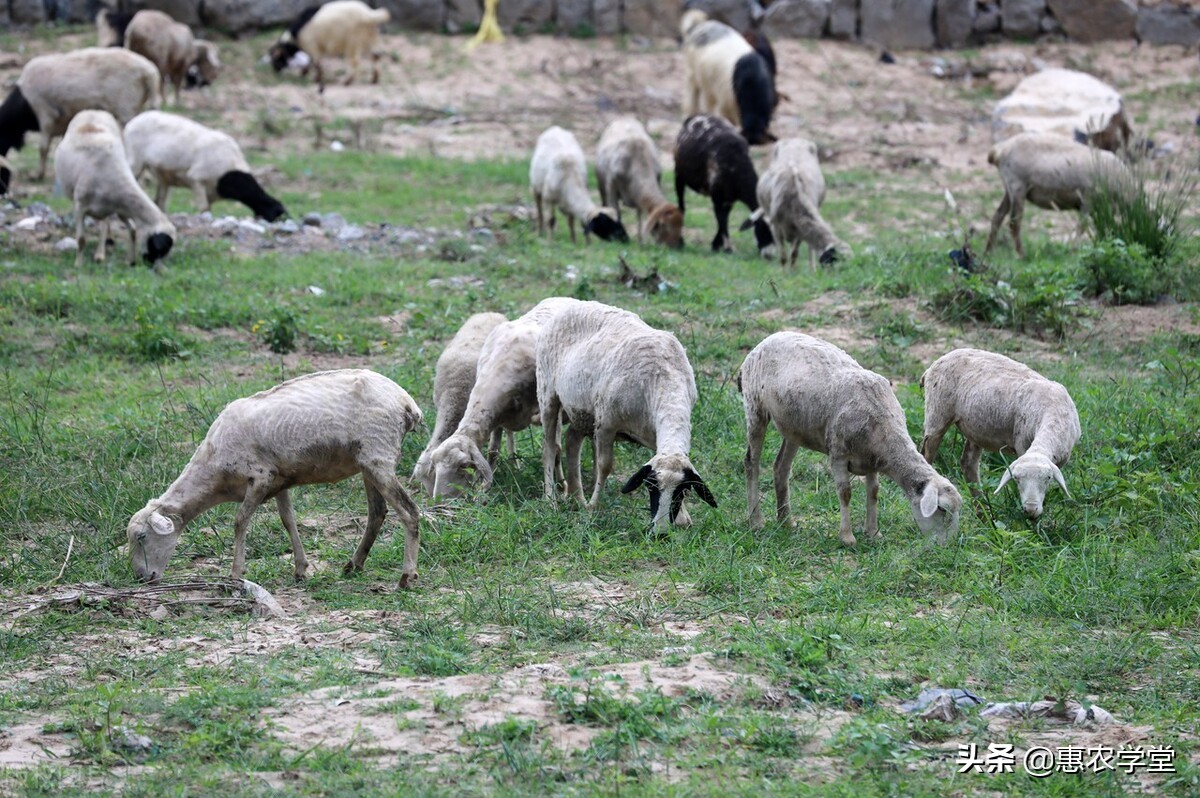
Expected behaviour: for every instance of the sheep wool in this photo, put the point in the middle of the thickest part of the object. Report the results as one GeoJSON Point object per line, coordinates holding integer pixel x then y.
{"type": "Point", "coordinates": [726, 76]}
{"type": "Point", "coordinates": [558, 177]}
{"type": "Point", "coordinates": [629, 172]}
{"type": "Point", "coordinates": [342, 29]}
{"type": "Point", "coordinates": [790, 193]}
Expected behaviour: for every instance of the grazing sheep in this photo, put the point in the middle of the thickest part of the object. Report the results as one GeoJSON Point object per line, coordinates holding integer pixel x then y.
{"type": "Point", "coordinates": [342, 28]}
{"type": "Point", "coordinates": [821, 399]}
{"type": "Point", "coordinates": [1000, 404]}
{"type": "Point", "coordinates": [90, 167]}
{"type": "Point", "coordinates": [725, 75]}
{"type": "Point", "coordinates": [170, 45]}
{"type": "Point", "coordinates": [53, 88]}
{"type": "Point", "coordinates": [453, 380]}
{"type": "Point", "coordinates": [1052, 172]}
{"type": "Point", "coordinates": [712, 159]}
{"type": "Point", "coordinates": [504, 396]}
{"type": "Point", "coordinates": [790, 193]}
{"type": "Point", "coordinates": [110, 27]}
{"type": "Point", "coordinates": [628, 170]}
{"type": "Point", "coordinates": [614, 376]}
{"type": "Point", "coordinates": [558, 176]}
{"type": "Point", "coordinates": [184, 153]}
{"type": "Point", "coordinates": [321, 427]}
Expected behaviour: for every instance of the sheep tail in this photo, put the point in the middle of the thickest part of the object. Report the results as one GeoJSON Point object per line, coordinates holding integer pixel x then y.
{"type": "Point", "coordinates": [751, 220]}
{"type": "Point", "coordinates": [380, 16]}
{"type": "Point", "coordinates": [994, 155]}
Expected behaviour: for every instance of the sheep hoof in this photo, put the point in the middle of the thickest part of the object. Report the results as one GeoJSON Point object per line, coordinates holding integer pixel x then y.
{"type": "Point", "coordinates": [351, 568]}
{"type": "Point", "coordinates": [407, 580]}
{"type": "Point", "coordinates": [848, 540]}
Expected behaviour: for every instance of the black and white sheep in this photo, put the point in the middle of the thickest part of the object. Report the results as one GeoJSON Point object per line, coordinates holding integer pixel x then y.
{"type": "Point", "coordinates": [342, 29]}
{"type": "Point", "coordinates": [110, 27]}
{"type": "Point", "coordinates": [172, 48]}
{"type": "Point", "coordinates": [712, 159]}
{"type": "Point", "coordinates": [628, 171]}
{"type": "Point", "coordinates": [724, 75]}
{"type": "Point", "coordinates": [180, 152]}
{"type": "Point", "coordinates": [558, 177]}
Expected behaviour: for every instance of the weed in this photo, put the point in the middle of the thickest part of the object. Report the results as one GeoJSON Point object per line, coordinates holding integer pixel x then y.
{"type": "Point", "coordinates": [279, 332]}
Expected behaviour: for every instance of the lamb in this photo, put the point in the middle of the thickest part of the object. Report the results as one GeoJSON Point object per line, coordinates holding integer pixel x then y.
{"type": "Point", "coordinates": [628, 170]}
{"type": "Point", "coordinates": [790, 193]}
{"type": "Point", "coordinates": [724, 75]}
{"type": "Point", "coordinates": [342, 28]}
{"type": "Point", "coordinates": [614, 375]}
{"type": "Point", "coordinates": [1052, 172]}
{"type": "Point", "coordinates": [453, 380]}
{"type": "Point", "coordinates": [53, 88]}
{"type": "Point", "coordinates": [170, 45]}
{"type": "Point", "coordinates": [558, 176]}
{"type": "Point", "coordinates": [712, 159]}
{"type": "Point", "coordinates": [90, 167]}
{"type": "Point", "coordinates": [181, 152]}
{"type": "Point", "coordinates": [821, 399]}
{"type": "Point", "coordinates": [1000, 404]}
{"type": "Point", "coordinates": [318, 428]}
{"type": "Point", "coordinates": [504, 397]}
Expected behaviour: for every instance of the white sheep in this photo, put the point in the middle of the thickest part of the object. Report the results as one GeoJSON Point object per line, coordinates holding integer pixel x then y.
{"type": "Point", "coordinates": [790, 193]}
{"type": "Point", "coordinates": [172, 48]}
{"type": "Point", "coordinates": [999, 404]}
{"type": "Point", "coordinates": [180, 152]}
{"type": "Point", "coordinates": [724, 75]}
{"type": "Point", "coordinates": [613, 375]}
{"type": "Point", "coordinates": [1052, 172]}
{"type": "Point", "coordinates": [342, 28]}
{"type": "Point", "coordinates": [454, 377]}
{"type": "Point", "coordinates": [90, 167]}
{"type": "Point", "coordinates": [318, 428]}
{"type": "Point", "coordinates": [628, 171]}
{"type": "Point", "coordinates": [821, 399]}
{"type": "Point", "coordinates": [53, 88]}
{"type": "Point", "coordinates": [558, 176]}
{"type": "Point", "coordinates": [504, 396]}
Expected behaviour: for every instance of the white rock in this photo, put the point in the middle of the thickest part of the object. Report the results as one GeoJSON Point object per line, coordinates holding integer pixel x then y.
{"type": "Point", "coordinates": [28, 223]}
{"type": "Point", "coordinates": [66, 244]}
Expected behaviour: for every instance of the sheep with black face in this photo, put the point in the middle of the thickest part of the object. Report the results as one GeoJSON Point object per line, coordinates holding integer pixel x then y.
{"type": "Point", "coordinates": [342, 28]}
{"type": "Point", "coordinates": [726, 76]}
{"type": "Point", "coordinates": [558, 177]}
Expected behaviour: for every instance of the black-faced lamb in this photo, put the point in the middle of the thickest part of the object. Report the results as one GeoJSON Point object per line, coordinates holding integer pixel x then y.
{"type": "Point", "coordinates": [558, 177]}
{"type": "Point", "coordinates": [724, 75]}
{"type": "Point", "coordinates": [53, 88]}
{"type": "Point", "coordinates": [1052, 172]}
{"type": "Point", "coordinates": [712, 159]}
{"type": "Point", "coordinates": [180, 152]}
{"type": "Point", "coordinates": [90, 167]}
{"type": "Point", "coordinates": [628, 171]}
{"type": "Point", "coordinates": [318, 428]}
{"type": "Point", "coordinates": [999, 404]}
{"type": "Point", "coordinates": [454, 377]}
{"type": "Point", "coordinates": [818, 397]}
{"type": "Point", "coordinates": [504, 396]}
{"type": "Point", "coordinates": [342, 29]}
{"type": "Point", "coordinates": [172, 48]}
{"type": "Point", "coordinates": [790, 193]}
{"type": "Point", "coordinates": [613, 375]}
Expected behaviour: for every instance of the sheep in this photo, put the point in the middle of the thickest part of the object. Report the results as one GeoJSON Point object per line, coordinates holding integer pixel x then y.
{"type": "Point", "coordinates": [712, 159]}
{"type": "Point", "coordinates": [1052, 172]}
{"type": "Point", "coordinates": [110, 27]}
{"type": "Point", "coordinates": [1000, 404]}
{"type": "Point", "coordinates": [181, 152]}
{"type": "Point", "coordinates": [790, 193]}
{"type": "Point", "coordinates": [170, 45]}
{"type": "Point", "coordinates": [821, 399]}
{"type": "Point", "coordinates": [628, 170]}
{"type": "Point", "coordinates": [90, 167]}
{"type": "Point", "coordinates": [342, 28]}
{"type": "Point", "coordinates": [558, 176]}
{"type": "Point", "coordinates": [53, 88]}
{"type": "Point", "coordinates": [724, 75]}
{"type": "Point", "coordinates": [454, 377]}
{"type": "Point", "coordinates": [613, 376]}
{"type": "Point", "coordinates": [504, 397]}
{"type": "Point", "coordinates": [318, 428]}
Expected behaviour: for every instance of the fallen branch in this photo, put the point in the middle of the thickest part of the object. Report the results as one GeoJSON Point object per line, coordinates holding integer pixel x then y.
{"type": "Point", "coordinates": [233, 593]}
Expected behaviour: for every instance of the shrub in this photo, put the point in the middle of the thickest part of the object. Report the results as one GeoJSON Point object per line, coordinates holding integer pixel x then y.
{"type": "Point", "coordinates": [156, 339]}
{"type": "Point", "coordinates": [1033, 302]}
{"type": "Point", "coordinates": [1139, 210]}
{"type": "Point", "coordinates": [280, 332]}
{"type": "Point", "coordinates": [1127, 273]}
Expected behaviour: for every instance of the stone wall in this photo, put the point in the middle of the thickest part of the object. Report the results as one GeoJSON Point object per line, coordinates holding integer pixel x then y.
{"type": "Point", "coordinates": [897, 24]}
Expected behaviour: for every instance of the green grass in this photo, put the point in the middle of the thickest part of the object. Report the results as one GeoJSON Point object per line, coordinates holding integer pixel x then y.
{"type": "Point", "coordinates": [110, 376]}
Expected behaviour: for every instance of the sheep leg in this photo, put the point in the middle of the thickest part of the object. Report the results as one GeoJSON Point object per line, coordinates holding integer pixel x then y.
{"type": "Point", "coordinates": [550, 407]}
{"type": "Point", "coordinates": [639, 220]}
{"type": "Point", "coordinates": [722, 241]}
{"type": "Point", "coordinates": [410, 516]}
{"type": "Point", "coordinates": [571, 227]}
{"type": "Point", "coordinates": [1014, 224]}
{"type": "Point", "coordinates": [812, 256]}
{"type": "Point", "coordinates": [602, 442]}
{"type": "Point", "coordinates": [494, 445]}
{"type": "Point", "coordinates": [756, 431]}
{"type": "Point", "coordinates": [43, 154]}
{"type": "Point", "coordinates": [201, 195]}
{"type": "Point", "coordinates": [133, 253]}
{"type": "Point", "coordinates": [537, 201]}
{"type": "Point", "coordinates": [79, 237]}
{"type": "Point", "coordinates": [255, 494]}
{"type": "Point", "coordinates": [574, 474]}
{"type": "Point", "coordinates": [283, 502]}
{"type": "Point", "coordinates": [679, 186]}
{"type": "Point", "coordinates": [782, 474]}
{"type": "Point", "coordinates": [320, 76]}
{"type": "Point", "coordinates": [353, 58]}
{"type": "Point", "coordinates": [101, 253]}
{"type": "Point", "coordinates": [374, 68]}
{"type": "Point", "coordinates": [376, 513]}
{"type": "Point", "coordinates": [841, 478]}
{"type": "Point", "coordinates": [932, 440]}
{"type": "Point", "coordinates": [872, 528]}
{"type": "Point", "coordinates": [997, 220]}
{"type": "Point", "coordinates": [512, 444]}
{"type": "Point", "coordinates": [969, 463]}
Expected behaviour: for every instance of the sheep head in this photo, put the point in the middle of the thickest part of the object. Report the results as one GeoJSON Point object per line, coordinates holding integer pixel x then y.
{"type": "Point", "coordinates": [457, 463]}
{"type": "Point", "coordinates": [244, 188]}
{"type": "Point", "coordinates": [423, 472]}
{"type": "Point", "coordinates": [282, 53]}
{"type": "Point", "coordinates": [155, 244]}
{"type": "Point", "coordinates": [206, 60]}
{"type": "Point", "coordinates": [670, 475]}
{"type": "Point", "coordinates": [665, 225]}
{"type": "Point", "coordinates": [604, 225]}
{"type": "Point", "coordinates": [936, 506]}
{"type": "Point", "coordinates": [1033, 472]}
{"type": "Point", "coordinates": [153, 537]}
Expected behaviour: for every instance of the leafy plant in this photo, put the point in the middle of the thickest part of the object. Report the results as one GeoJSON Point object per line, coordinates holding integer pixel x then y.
{"type": "Point", "coordinates": [280, 332]}
{"type": "Point", "coordinates": [156, 339]}
{"type": "Point", "coordinates": [1139, 210]}
{"type": "Point", "coordinates": [1128, 273]}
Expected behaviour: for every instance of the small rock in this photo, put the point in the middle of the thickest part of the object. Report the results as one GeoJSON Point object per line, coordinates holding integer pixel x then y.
{"type": "Point", "coordinates": [312, 219]}
{"type": "Point", "coordinates": [334, 222]}
{"type": "Point", "coordinates": [225, 223]}
{"type": "Point", "coordinates": [336, 146]}
{"type": "Point", "coordinates": [160, 613]}
{"type": "Point", "coordinates": [124, 737]}
{"type": "Point", "coordinates": [350, 233]}
{"type": "Point", "coordinates": [316, 290]}
{"type": "Point", "coordinates": [66, 244]}
{"type": "Point", "coordinates": [40, 209]}
{"type": "Point", "coordinates": [28, 223]}
{"type": "Point", "coordinates": [251, 227]}
{"type": "Point", "coordinates": [287, 226]}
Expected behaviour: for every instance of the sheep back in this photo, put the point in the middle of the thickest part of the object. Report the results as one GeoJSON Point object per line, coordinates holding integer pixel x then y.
{"type": "Point", "coordinates": [1052, 171]}
{"type": "Point", "coordinates": [60, 85]}
{"type": "Point", "coordinates": [181, 150]}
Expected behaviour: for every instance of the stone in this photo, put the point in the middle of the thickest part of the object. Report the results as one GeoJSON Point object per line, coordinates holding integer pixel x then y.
{"type": "Point", "coordinates": [804, 19]}
{"type": "Point", "coordinates": [574, 16]}
{"type": "Point", "coordinates": [185, 11]}
{"type": "Point", "coordinates": [1022, 18]}
{"type": "Point", "coordinates": [67, 244]}
{"type": "Point", "coordinates": [1169, 25]}
{"type": "Point", "coordinates": [898, 24]}
{"type": "Point", "coordinates": [652, 17]}
{"type": "Point", "coordinates": [955, 19]}
{"type": "Point", "coordinates": [424, 15]}
{"type": "Point", "coordinates": [463, 15]}
{"type": "Point", "coordinates": [987, 19]}
{"type": "Point", "coordinates": [843, 19]}
{"type": "Point", "coordinates": [525, 16]}
{"type": "Point", "coordinates": [26, 12]}
{"type": "Point", "coordinates": [606, 16]}
{"type": "Point", "coordinates": [737, 14]}
{"type": "Point", "coordinates": [244, 16]}
{"type": "Point", "coordinates": [1058, 101]}
{"type": "Point", "coordinates": [1096, 20]}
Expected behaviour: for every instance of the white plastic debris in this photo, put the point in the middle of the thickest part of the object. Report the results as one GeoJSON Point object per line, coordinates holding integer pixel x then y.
{"type": "Point", "coordinates": [336, 146]}
{"type": "Point", "coordinates": [28, 223]}
{"type": "Point", "coordinates": [66, 244]}
{"type": "Point", "coordinates": [316, 290]}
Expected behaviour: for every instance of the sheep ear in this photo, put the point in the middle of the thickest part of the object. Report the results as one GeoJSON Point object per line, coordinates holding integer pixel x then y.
{"type": "Point", "coordinates": [929, 499]}
{"type": "Point", "coordinates": [637, 479]}
{"type": "Point", "coordinates": [161, 524]}
{"type": "Point", "coordinates": [481, 465]}
{"type": "Point", "coordinates": [692, 480]}
{"type": "Point", "coordinates": [1058, 477]}
{"type": "Point", "coordinates": [1004, 480]}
